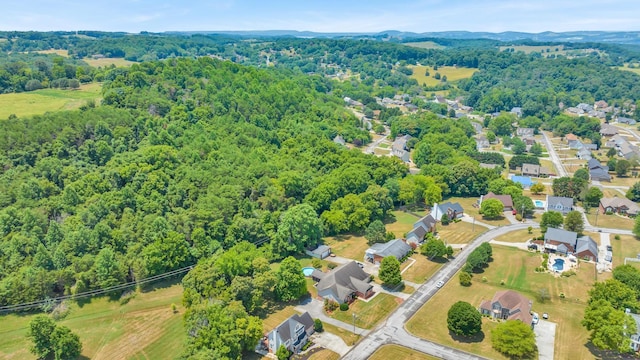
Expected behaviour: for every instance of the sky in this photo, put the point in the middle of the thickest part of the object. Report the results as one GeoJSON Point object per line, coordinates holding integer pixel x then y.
{"type": "Point", "coordinates": [321, 16]}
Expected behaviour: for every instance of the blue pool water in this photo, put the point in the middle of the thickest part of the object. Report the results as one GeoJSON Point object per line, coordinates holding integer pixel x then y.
{"type": "Point", "coordinates": [538, 203]}
{"type": "Point", "coordinates": [307, 271]}
{"type": "Point", "coordinates": [558, 264]}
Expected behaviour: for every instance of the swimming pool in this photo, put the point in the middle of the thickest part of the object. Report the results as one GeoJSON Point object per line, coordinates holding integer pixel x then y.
{"type": "Point", "coordinates": [539, 203]}
{"type": "Point", "coordinates": [307, 271]}
{"type": "Point", "coordinates": [558, 264]}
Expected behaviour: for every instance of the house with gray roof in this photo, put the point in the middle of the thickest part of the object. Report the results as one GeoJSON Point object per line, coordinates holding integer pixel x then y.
{"type": "Point", "coordinates": [624, 120]}
{"type": "Point", "coordinates": [345, 283]}
{"type": "Point", "coordinates": [567, 242]}
{"type": "Point", "coordinates": [477, 127]}
{"type": "Point", "coordinates": [293, 333]}
{"type": "Point", "coordinates": [635, 338]}
{"type": "Point", "coordinates": [517, 111]}
{"type": "Point", "coordinates": [320, 252]}
{"type": "Point", "coordinates": [453, 210]}
{"type": "Point", "coordinates": [339, 140]}
{"type": "Point", "coordinates": [396, 248]}
{"type": "Point", "coordinates": [534, 170]}
{"type": "Point", "coordinates": [525, 132]}
{"type": "Point", "coordinates": [584, 154]}
{"type": "Point", "coordinates": [482, 142]}
{"type": "Point", "coordinates": [426, 224]}
{"type": "Point", "coordinates": [399, 148]}
{"type": "Point", "coordinates": [597, 171]}
{"type": "Point", "coordinates": [559, 203]}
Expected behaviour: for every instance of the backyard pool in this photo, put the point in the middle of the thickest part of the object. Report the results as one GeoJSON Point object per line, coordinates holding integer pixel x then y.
{"type": "Point", "coordinates": [558, 264]}
{"type": "Point", "coordinates": [307, 271]}
{"type": "Point", "coordinates": [539, 204]}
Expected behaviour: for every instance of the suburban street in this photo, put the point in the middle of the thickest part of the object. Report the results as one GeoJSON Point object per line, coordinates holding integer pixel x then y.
{"type": "Point", "coordinates": [553, 155]}
{"type": "Point", "coordinates": [392, 331]}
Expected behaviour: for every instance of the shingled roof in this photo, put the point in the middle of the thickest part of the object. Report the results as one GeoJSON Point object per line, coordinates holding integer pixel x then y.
{"type": "Point", "coordinates": [343, 281]}
{"type": "Point", "coordinates": [518, 305]}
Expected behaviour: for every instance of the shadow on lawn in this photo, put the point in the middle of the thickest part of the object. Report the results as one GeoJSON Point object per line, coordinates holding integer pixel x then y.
{"type": "Point", "coordinates": [607, 354]}
{"type": "Point", "coordinates": [479, 337]}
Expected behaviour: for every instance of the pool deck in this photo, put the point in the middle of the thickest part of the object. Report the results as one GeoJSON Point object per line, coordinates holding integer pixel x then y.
{"type": "Point", "coordinates": [567, 265]}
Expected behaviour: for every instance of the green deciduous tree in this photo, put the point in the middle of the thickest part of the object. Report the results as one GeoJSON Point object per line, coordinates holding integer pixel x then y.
{"type": "Point", "coordinates": [375, 232]}
{"type": "Point", "coordinates": [551, 219]}
{"type": "Point", "coordinates": [40, 330]}
{"type": "Point", "coordinates": [610, 327]}
{"type": "Point", "coordinates": [290, 283]}
{"type": "Point", "coordinates": [491, 208]}
{"type": "Point", "coordinates": [622, 167]}
{"type": "Point", "coordinates": [283, 353]}
{"type": "Point", "coordinates": [593, 196]}
{"type": "Point", "coordinates": [514, 338]}
{"type": "Point", "coordinates": [633, 193]}
{"type": "Point", "coordinates": [66, 344]}
{"type": "Point", "coordinates": [465, 278]}
{"type": "Point", "coordinates": [433, 248]}
{"type": "Point", "coordinates": [628, 275]}
{"type": "Point", "coordinates": [299, 228]}
{"type": "Point", "coordinates": [464, 319]}
{"type": "Point", "coordinates": [389, 271]}
{"type": "Point", "coordinates": [537, 188]}
{"type": "Point", "coordinates": [574, 222]}
{"type": "Point", "coordinates": [581, 173]}
{"type": "Point", "coordinates": [523, 202]}
{"type": "Point", "coordinates": [619, 295]}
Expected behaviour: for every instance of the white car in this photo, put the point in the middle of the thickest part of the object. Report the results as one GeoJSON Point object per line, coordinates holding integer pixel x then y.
{"type": "Point", "coordinates": [535, 319]}
{"type": "Point", "coordinates": [440, 284]}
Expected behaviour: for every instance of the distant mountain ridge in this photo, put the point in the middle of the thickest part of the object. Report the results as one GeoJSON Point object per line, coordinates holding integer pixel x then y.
{"type": "Point", "coordinates": [618, 37]}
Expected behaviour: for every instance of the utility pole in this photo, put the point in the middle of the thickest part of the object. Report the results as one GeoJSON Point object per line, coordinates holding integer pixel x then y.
{"type": "Point", "coordinates": [354, 322]}
{"type": "Point", "coordinates": [597, 211]}
{"type": "Point", "coordinates": [522, 212]}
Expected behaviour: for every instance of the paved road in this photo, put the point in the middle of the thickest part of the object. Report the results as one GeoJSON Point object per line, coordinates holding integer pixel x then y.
{"type": "Point", "coordinates": [633, 133]}
{"type": "Point", "coordinates": [371, 147]}
{"type": "Point", "coordinates": [392, 330]}
{"type": "Point", "coordinates": [554, 156]}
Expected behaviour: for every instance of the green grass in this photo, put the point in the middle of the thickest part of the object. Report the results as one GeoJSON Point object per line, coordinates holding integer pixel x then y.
{"type": "Point", "coordinates": [118, 62]}
{"type": "Point", "coordinates": [527, 49]}
{"type": "Point", "coordinates": [515, 267]}
{"type": "Point", "coordinates": [348, 337]}
{"type": "Point", "coordinates": [383, 145]}
{"type": "Point", "coordinates": [627, 68]}
{"type": "Point", "coordinates": [348, 246]}
{"type": "Point", "coordinates": [610, 221]}
{"type": "Point", "coordinates": [518, 236]}
{"type": "Point", "coordinates": [459, 233]}
{"type": "Point", "coordinates": [368, 314]}
{"type": "Point", "coordinates": [40, 101]}
{"type": "Point", "coordinates": [452, 74]}
{"type": "Point", "coordinates": [324, 354]}
{"type": "Point", "coordinates": [421, 270]}
{"type": "Point", "coordinates": [627, 246]}
{"type": "Point", "coordinates": [144, 328]}
{"type": "Point", "coordinates": [398, 352]}
{"type": "Point", "coordinates": [400, 223]}
{"type": "Point", "coordinates": [425, 45]}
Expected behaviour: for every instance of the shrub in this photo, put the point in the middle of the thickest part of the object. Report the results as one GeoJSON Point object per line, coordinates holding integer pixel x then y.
{"type": "Point", "coordinates": [316, 263]}
{"type": "Point", "coordinates": [518, 217]}
{"type": "Point", "coordinates": [317, 325]}
{"type": "Point", "coordinates": [568, 273]}
{"type": "Point", "coordinates": [332, 265]}
{"type": "Point", "coordinates": [502, 282]}
{"type": "Point", "coordinates": [344, 307]}
{"type": "Point", "coordinates": [330, 305]}
{"type": "Point", "coordinates": [484, 279]}
{"type": "Point", "coordinates": [562, 296]}
{"type": "Point", "coordinates": [609, 213]}
{"type": "Point", "coordinates": [617, 237]}
{"type": "Point", "coordinates": [465, 279]}
{"type": "Point", "coordinates": [545, 264]}
{"type": "Point", "coordinates": [174, 308]}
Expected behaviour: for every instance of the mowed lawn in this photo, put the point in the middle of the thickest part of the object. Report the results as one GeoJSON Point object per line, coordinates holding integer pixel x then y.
{"type": "Point", "coordinates": [118, 62]}
{"type": "Point", "coordinates": [43, 100]}
{"type": "Point", "coordinates": [519, 236]}
{"type": "Point", "coordinates": [348, 246]}
{"type": "Point", "coordinates": [459, 233]}
{"type": "Point", "coordinates": [400, 223]}
{"type": "Point", "coordinates": [516, 268]}
{"type": "Point", "coordinates": [368, 313]}
{"type": "Point", "coordinates": [324, 354]}
{"type": "Point", "coordinates": [422, 269]}
{"type": "Point", "coordinates": [610, 221]}
{"type": "Point", "coordinates": [386, 352]}
{"type": "Point", "coordinates": [627, 247]}
{"type": "Point", "coordinates": [425, 45]}
{"type": "Point", "coordinates": [452, 74]}
{"type": "Point", "coordinates": [144, 328]}
{"type": "Point", "coordinates": [469, 209]}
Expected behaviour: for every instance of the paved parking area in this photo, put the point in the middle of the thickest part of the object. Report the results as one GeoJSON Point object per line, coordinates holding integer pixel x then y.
{"type": "Point", "coordinates": [545, 338]}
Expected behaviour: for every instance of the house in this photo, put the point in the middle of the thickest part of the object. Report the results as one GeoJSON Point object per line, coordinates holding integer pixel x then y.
{"type": "Point", "coordinates": [567, 242]}
{"type": "Point", "coordinates": [344, 283]}
{"type": "Point", "coordinates": [597, 171]}
{"type": "Point", "coordinates": [339, 140]}
{"type": "Point", "coordinates": [618, 205]}
{"type": "Point", "coordinates": [600, 105]}
{"type": "Point", "coordinates": [506, 200]}
{"type": "Point", "coordinates": [399, 148]}
{"type": "Point", "coordinates": [397, 248]}
{"type": "Point", "coordinates": [584, 154]}
{"type": "Point", "coordinates": [628, 151]}
{"type": "Point", "coordinates": [482, 142]}
{"type": "Point", "coordinates": [624, 120]}
{"type": "Point", "coordinates": [426, 224]}
{"type": "Point", "coordinates": [584, 107]}
{"type": "Point", "coordinates": [525, 132]}
{"type": "Point", "coordinates": [525, 181]}
{"type": "Point", "coordinates": [635, 338]}
{"type": "Point", "coordinates": [477, 127]}
{"type": "Point", "coordinates": [534, 170]}
{"type": "Point", "coordinates": [517, 111]}
{"type": "Point", "coordinates": [508, 305]}
{"type": "Point", "coordinates": [559, 203]}
{"type": "Point", "coordinates": [320, 252]}
{"type": "Point", "coordinates": [608, 130]}
{"type": "Point", "coordinates": [575, 144]}
{"type": "Point", "coordinates": [453, 210]}
{"type": "Point", "coordinates": [570, 137]}
{"type": "Point", "coordinates": [293, 333]}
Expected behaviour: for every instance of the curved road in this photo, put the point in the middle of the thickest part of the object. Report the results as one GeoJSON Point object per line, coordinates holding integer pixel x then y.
{"type": "Point", "coordinates": [392, 331]}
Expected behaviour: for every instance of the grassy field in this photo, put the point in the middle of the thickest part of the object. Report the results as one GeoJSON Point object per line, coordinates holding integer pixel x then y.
{"type": "Point", "coordinates": [452, 74]}
{"type": "Point", "coordinates": [108, 62]}
{"type": "Point", "coordinates": [348, 337]}
{"type": "Point", "coordinates": [324, 354]}
{"type": "Point", "coordinates": [518, 236]}
{"type": "Point", "coordinates": [398, 352]}
{"type": "Point", "coordinates": [349, 246]}
{"type": "Point", "coordinates": [421, 270]}
{"type": "Point", "coordinates": [514, 267]}
{"type": "Point", "coordinates": [459, 233]}
{"type": "Point", "coordinates": [368, 314]}
{"type": "Point", "coordinates": [41, 101]}
{"type": "Point", "coordinates": [469, 209]}
{"type": "Point", "coordinates": [627, 246]}
{"type": "Point", "coordinates": [425, 45]}
{"type": "Point", "coordinates": [401, 223]}
{"type": "Point", "coordinates": [276, 318]}
{"type": "Point", "coordinates": [545, 50]}
{"type": "Point", "coordinates": [144, 328]}
{"type": "Point", "coordinates": [610, 221]}
{"type": "Point", "coordinates": [64, 53]}
{"type": "Point", "coordinates": [627, 68]}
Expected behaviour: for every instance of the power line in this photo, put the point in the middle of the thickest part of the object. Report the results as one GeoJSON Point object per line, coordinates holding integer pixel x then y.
{"type": "Point", "coordinates": [34, 304]}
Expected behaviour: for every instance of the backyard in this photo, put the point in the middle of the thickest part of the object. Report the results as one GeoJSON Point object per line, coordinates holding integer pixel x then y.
{"type": "Point", "coordinates": [348, 246]}
{"type": "Point", "coordinates": [368, 313]}
{"type": "Point", "coordinates": [514, 267]}
{"type": "Point", "coordinates": [627, 247]}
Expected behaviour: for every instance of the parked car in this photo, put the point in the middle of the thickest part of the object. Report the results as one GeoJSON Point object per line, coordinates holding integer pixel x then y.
{"type": "Point", "coordinates": [533, 247]}
{"type": "Point", "coordinates": [609, 248]}
{"type": "Point", "coordinates": [514, 212]}
{"type": "Point", "coordinates": [440, 284]}
{"type": "Point", "coordinates": [360, 264]}
{"type": "Point", "coordinates": [535, 319]}
{"type": "Point", "coordinates": [545, 316]}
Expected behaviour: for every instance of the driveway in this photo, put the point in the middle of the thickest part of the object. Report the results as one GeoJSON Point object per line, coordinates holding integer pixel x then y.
{"type": "Point", "coordinates": [330, 341]}
{"type": "Point", "coordinates": [545, 332]}
{"type": "Point", "coordinates": [605, 240]}
{"type": "Point", "coordinates": [315, 308]}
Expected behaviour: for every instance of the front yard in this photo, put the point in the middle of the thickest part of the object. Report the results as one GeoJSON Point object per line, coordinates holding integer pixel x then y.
{"type": "Point", "coordinates": [368, 314]}
{"type": "Point", "coordinates": [386, 352]}
{"type": "Point", "coordinates": [421, 270]}
{"type": "Point", "coordinates": [516, 268]}
{"type": "Point", "coordinates": [518, 236]}
{"type": "Point", "coordinates": [469, 209]}
{"type": "Point", "coordinates": [459, 233]}
{"type": "Point", "coordinates": [627, 246]}
{"type": "Point", "coordinates": [610, 221]}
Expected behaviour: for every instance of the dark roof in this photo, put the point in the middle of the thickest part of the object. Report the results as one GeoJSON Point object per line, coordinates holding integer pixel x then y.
{"type": "Point", "coordinates": [344, 280]}
{"type": "Point", "coordinates": [419, 232]}
{"type": "Point", "coordinates": [426, 221]}
{"type": "Point", "coordinates": [397, 248]}
{"type": "Point", "coordinates": [518, 305]}
{"type": "Point", "coordinates": [288, 327]}
{"type": "Point", "coordinates": [586, 243]}
{"type": "Point", "coordinates": [321, 249]}
{"type": "Point", "coordinates": [564, 201]}
{"type": "Point", "coordinates": [564, 236]}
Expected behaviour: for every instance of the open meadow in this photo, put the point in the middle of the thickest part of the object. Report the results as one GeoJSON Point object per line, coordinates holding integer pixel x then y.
{"type": "Point", "coordinates": [144, 328]}
{"type": "Point", "coordinates": [103, 62]}
{"type": "Point", "coordinates": [452, 73]}
{"type": "Point", "coordinates": [425, 45]}
{"type": "Point", "coordinates": [515, 268]}
{"type": "Point", "coordinates": [44, 100]}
